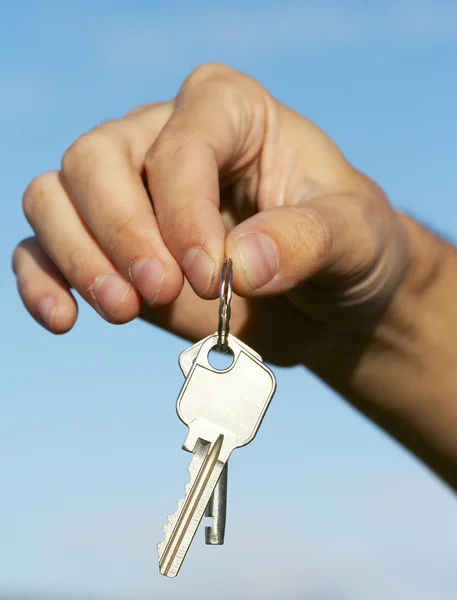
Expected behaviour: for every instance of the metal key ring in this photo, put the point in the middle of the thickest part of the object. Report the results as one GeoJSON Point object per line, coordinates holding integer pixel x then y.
{"type": "Point", "coordinates": [225, 296]}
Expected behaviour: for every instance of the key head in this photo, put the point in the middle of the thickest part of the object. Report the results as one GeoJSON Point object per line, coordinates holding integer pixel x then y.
{"type": "Point", "coordinates": [187, 356]}
{"type": "Point", "coordinates": [231, 402]}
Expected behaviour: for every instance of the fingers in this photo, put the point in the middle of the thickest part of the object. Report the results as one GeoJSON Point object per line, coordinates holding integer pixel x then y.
{"type": "Point", "coordinates": [96, 223]}
{"type": "Point", "coordinates": [217, 128]}
{"type": "Point", "coordinates": [43, 290]}
{"type": "Point", "coordinates": [104, 182]}
{"type": "Point", "coordinates": [342, 243]}
{"type": "Point", "coordinates": [277, 249]}
{"type": "Point", "coordinates": [66, 241]}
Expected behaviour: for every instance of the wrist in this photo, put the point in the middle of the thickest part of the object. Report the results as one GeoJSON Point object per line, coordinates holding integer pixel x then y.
{"type": "Point", "coordinates": [412, 348]}
{"type": "Point", "coordinates": [421, 317]}
{"type": "Point", "coordinates": [403, 371]}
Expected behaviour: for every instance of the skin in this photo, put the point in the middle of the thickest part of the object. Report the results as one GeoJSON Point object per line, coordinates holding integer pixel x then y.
{"type": "Point", "coordinates": [326, 273]}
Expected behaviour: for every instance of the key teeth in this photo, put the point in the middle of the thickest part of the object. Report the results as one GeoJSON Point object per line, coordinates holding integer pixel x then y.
{"type": "Point", "coordinates": [168, 526]}
{"type": "Point", "coordinates": [166, 530]}
{"type": "Point", "coordinates": [180, 503]}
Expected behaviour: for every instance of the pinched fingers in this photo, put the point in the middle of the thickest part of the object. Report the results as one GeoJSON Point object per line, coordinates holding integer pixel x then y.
{"type": "Point", "coordinates": [214, 134]}
{"type": "Point", "coordinates": [68, 244]}
{"type": "Point", "coordinates": [102, 174]}
{"type": "Point", "coordinates": [96, 230]}
{"type": "Point", "coordinates": [118, 242]}
{"type": "Point", "coordinates": [351, 248]}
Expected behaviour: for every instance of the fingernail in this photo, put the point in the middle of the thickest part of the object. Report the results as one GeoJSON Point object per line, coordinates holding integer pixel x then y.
{"type": "Point", "coordinates": [46, 309]}
{"type": "Point", "coordinates": [109, 292]}
{"type": "Point", "coordinates": [199, 269]}
{"type": "Point", "coordinates": [259, 258]}
{"type": "Point", "coordinates": [147, 275]}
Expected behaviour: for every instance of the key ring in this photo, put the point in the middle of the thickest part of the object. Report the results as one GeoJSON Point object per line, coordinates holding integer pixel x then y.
{"type": "Point", "coordinates": [225, 296]}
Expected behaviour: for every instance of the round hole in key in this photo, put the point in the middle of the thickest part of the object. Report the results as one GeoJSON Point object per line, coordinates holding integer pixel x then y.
{"type": "Point", "coordinates": [220, 360]}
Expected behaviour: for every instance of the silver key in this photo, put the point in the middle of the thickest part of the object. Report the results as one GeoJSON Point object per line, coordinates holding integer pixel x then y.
{"type": "Point", "coordinates": [223, 410]}
{"type": "Point", "coordinates": [217, 505]}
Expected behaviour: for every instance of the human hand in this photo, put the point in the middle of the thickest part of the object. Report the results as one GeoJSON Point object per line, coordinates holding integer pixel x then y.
{"type": "Point", "coordinates": [316, 247]}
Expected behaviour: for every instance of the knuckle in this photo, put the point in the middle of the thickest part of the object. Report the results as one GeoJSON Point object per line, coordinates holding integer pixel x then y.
{"type": "Point", "coordinates": [87, 149]}
{"type": "Point", "coordinates": [112, 130]}
{"type": "Point", "coordinates": [36, 194]}
{"type": "Point", "coordinates": [209, 71]}
{"type": "Point", "coordinates": [138, 110]}
{"type": "Point", "coordinates": [82, 150]}
{"type": "Point", "coordinates": [143, 109]}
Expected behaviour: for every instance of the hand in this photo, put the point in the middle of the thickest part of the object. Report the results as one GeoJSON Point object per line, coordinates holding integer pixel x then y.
{"type": "Point", "coordinates": [145, 203]}
{"type": "Point", "coordinates": [326, 273]}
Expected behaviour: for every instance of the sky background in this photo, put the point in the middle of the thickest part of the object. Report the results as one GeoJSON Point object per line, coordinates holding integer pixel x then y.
{"type": "Point", "coordinates": [323, 505]}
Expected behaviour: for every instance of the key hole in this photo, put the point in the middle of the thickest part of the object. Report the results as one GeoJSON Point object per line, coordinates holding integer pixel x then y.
{"type": "Point", "coordinates": [220, 360]}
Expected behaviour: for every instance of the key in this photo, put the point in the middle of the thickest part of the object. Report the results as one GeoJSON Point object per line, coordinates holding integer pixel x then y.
{"type": "Point", "coordinates": [223, 410]}
{"type": "Point", "coordinates": [216, 508]}
{"type": "Point", "coordinates": [217, 505]}
{"type": "Point", "coordinates": [182, 525]}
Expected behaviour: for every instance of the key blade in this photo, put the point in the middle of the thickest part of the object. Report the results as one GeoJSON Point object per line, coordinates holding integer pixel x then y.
{"type": "Point", "coordinates": [194, 467]}
{"type": "Point", "coordinates": [205, 469]}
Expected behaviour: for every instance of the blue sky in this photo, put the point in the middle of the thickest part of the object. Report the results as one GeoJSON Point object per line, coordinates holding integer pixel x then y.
{"type": "Point", "coordinates": [322, 505]}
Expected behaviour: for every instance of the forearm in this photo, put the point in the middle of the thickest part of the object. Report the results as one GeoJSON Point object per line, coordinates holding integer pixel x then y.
{"type": "Point", "coordinates": [403, 373]}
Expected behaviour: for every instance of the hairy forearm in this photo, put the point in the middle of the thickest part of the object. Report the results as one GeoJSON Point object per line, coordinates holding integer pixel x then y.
{"type": "Point", "coordinates": [403, 373]}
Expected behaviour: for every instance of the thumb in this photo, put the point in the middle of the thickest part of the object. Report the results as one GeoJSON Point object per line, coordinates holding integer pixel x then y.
{"type": "Point", "coordinates": [276, 249]}
{"type": "Point", "coordinates": [335, 240]}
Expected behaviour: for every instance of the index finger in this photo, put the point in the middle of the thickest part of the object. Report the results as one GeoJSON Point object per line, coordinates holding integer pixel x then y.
{"type": "Point", "coordinates": [213, 136]}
